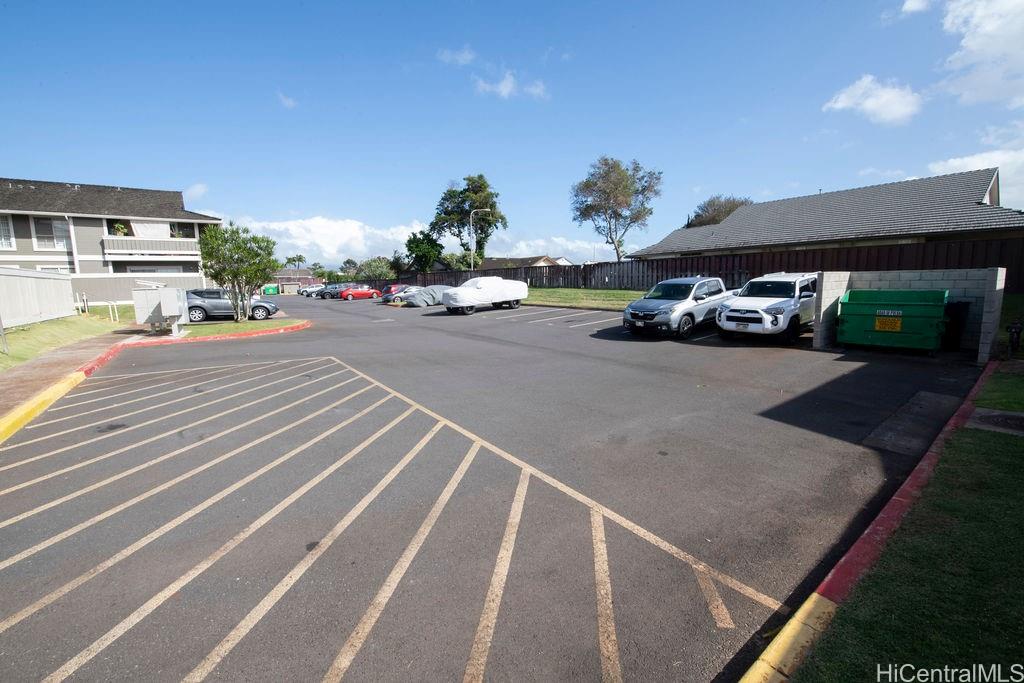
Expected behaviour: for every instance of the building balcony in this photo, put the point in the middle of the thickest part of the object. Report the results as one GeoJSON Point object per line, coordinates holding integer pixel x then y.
{"type": "Point", "coordinates": [120, 247]}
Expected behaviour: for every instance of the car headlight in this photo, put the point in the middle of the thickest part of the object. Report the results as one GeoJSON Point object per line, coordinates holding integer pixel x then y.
{"type": "Point", "coordinates": [722, 308]}
{"type": "Point", "coordinates": [775, 310]}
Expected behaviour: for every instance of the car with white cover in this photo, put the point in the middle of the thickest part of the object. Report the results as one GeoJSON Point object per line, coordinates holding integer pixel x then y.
{"type": "Point", "coordinates": [774, 304]}
{"type": "Point", "coordinates": [484, 291]}
{"type": "Point", "coordinates": [676, 306]}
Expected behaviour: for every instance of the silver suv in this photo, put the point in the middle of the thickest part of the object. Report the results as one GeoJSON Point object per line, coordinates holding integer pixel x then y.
{"type": "Point", "coordinates": [676, 306]}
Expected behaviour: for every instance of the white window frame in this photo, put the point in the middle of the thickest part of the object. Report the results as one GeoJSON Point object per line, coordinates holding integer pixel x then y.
{"type": "Point", "coordinates": [35, 241]}
{"type": "Point", "coordinates": [10, 229]}
{"type": "Point", "coordinates": [62, 270]}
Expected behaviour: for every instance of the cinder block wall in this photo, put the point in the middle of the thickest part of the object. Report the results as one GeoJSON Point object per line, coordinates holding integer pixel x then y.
{"type": "Point", "coordinates": [981, 287]}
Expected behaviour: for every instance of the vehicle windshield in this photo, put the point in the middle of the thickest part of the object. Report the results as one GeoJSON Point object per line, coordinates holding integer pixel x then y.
{"type": "Point", "coordinates": [669, 290]}
{"type": "Point", "coordinates": [768, 288]}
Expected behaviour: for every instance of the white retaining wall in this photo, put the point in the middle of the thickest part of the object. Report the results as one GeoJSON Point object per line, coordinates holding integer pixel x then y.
{"type": "Point", "coordinates": [981, 287]}
{"type": "Point", "coordinates": [30, 296]}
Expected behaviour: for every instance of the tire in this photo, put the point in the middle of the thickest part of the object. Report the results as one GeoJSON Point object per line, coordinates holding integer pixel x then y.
{"type": "Point", "coordinates": [348, 297]}
{"type": "Point", "coordinates": [260, 313]}
{"type": "Point", "coordinates": [792, 333]}
{"type": "Point", "coordinates": [468, 310]}
{"type": "Point", "coordinates": [514, 303]}
{"type": "Point", "coordinates": [373, 295]}
{"type": "Point", "coordinates": [396, 300]}
{"type": "Point", "coordinates": [725, 334]}
{"type": "Point", "coordinates": [196, 315]}
{"type": "Point", "coordinates": [686, 326]}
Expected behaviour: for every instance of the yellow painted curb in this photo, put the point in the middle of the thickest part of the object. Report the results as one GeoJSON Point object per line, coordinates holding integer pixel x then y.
{"type": "Point", "coordinates": [21, 415]}
{"type": "Point", "coordinates": [788, 649]}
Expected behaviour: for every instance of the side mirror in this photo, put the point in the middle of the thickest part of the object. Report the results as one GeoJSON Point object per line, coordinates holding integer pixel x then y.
{"type": "Point", "coordinates": [700, 297]}
{"type": "Point", "coordinates": [806, 295]}
{"type": "Point", "coordinates": [735, 292]}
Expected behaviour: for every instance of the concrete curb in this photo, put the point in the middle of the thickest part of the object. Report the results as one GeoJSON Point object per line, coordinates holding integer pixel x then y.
{"type": "Point", "coordinates": [788, 649]}
{"type": "Point", "coordinates": [22, 414]}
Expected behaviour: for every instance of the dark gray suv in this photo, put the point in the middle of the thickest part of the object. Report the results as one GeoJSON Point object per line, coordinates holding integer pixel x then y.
{"type": "Point", "coordinates": [215, 303]}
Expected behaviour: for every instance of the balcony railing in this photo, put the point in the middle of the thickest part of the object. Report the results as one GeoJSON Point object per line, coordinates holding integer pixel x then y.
{"type": "Point", "coordinates": [145, 246]}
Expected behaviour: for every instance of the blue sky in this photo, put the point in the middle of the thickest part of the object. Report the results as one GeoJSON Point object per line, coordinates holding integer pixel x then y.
{"type": "Point", "coordinates": [335, 127]}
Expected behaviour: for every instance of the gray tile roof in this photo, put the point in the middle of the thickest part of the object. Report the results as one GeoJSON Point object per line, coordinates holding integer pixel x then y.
{"type": "Point", "coordinates": [95, 200]}
{"type": "Point", "coordinates": [940, 204]}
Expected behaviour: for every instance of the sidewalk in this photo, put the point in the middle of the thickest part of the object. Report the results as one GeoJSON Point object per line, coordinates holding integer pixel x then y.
{"type": "Point", "coordinates": [27, 379]}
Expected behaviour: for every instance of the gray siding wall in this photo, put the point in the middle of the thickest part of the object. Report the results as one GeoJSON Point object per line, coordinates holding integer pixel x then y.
{"type": "Point", "coordinates": [186, 266]}
{"type": "Point", "coordinates": [147, 245]}
{"type": "Point", "coordinates": [23, 240]}
{"type": "Point", "coordinates": [119, 287]}
{"type": "Point", "coordinates": [89, 236]}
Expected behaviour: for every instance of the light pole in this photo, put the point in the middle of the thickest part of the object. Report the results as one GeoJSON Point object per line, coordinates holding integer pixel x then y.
{"type": "Point", "coordinates": [472, 235]}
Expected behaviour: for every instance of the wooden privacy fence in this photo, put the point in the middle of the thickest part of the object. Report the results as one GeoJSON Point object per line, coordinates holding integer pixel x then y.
{"type": "Point", "coordinates": [736, 269]}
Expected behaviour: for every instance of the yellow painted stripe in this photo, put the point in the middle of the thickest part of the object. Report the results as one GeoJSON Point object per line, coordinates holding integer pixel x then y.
{"type": "Point", "coordinates": [789, 648]}
{"type": "Point", "coordinates": [611, 669]}
{"type": "Point", "coordinates": [492, 603]}
{"type": "Point", "coordinates": [21, 415]}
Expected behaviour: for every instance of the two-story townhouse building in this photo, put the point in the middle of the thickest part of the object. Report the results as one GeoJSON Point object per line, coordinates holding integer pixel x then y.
{"type": "Point", "coordinates": [109, 239]}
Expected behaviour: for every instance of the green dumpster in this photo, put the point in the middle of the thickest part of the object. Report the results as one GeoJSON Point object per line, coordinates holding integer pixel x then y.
{"type": "Point", "coordinates": [269, 290]}
{"type": "Point", "coordinates": [905, 318]}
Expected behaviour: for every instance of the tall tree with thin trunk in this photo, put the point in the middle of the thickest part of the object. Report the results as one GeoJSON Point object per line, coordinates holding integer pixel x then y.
{"type": "Point", "coordinates": [615, 198]}
{"type": "Point", "coordinates": [238, 261]}
{"type": "Point", "coordinates": [453, 214]}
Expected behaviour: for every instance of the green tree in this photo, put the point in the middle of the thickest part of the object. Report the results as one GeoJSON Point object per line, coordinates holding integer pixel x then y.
{"type": "Point", "coordinates": [238, 261]}
{"type": "Point", "coordinates": [376, 268]}
{"type": "Point", "coordinates": [298, 260]}
{"type": "Point", "coordinates": [453, 214]}
{"type": "Point", "coordinates": [317, 269]}
{"type": "Point", "coordinates": [715, 209]}
{"type": "Point", "coordinates": [348, 267]}
{"type": "Point", "coordinates": [458, 261]}
{"type": "Point", "coordinates": [423, 249]}
{"type": "Point", "coordinates": [615, 198]}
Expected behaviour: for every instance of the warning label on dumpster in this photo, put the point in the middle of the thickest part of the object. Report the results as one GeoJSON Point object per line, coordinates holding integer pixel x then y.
{"type": "Point", "coordinates": [888, 324]}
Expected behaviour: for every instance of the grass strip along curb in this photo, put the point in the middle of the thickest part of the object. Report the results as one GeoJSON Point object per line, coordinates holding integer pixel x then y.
{"type": "Point", "coordinates": [22, 414]}
{"type": "Point", "coordinates": [790, 647]}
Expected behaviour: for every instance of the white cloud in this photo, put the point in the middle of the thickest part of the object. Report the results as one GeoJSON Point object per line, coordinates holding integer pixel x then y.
{"type": "Point", "coordinates": [1011, 135]}
{"type": "Point", "coordinates": [332, 240]}
{"type": "Point", "coordinates": [195, 191]}
{"type": "Point", "coordinates": [885, 103]}
{"type": "Point", "coordinates": [889, 173]}
{"type": "Point", "coordinates": [988, 66]}
{"type": "Point", "coordinates": [536, 90]}
{"type": "Point", "coordinates": [457, 57]}
{"type": "Point", "coordinates": [286, 102]}
{"type": "Point", "coordinates": [576, 250]}
{"type": "Point", "coordinates": [1011, 171]}
{"type": "Point", "coordinates": [914, 6]}
{"type": "Point", "coordinates": [505, 88]}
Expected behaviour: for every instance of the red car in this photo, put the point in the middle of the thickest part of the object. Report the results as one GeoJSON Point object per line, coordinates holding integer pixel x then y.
{"type": "Point", "coordinates": [393, 289]}
{"type": "Point", "coordinates": [359, 292]}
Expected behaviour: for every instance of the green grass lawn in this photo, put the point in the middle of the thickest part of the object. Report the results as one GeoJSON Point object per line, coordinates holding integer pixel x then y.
{"type": "Point", "coordinates": [29, 341]}
{"type": "Point", "coordinates": [1002, 391]}
{"type": "Point", "coordinates": [605, 299]}
{"type": "Point", "coordinates": [949, 587]}
{"type": "Point", "coordinates": [210, 329]}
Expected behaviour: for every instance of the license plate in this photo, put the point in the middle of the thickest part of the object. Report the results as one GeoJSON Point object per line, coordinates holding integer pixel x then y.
{"type": "Point", "coordinates": [888, 324]}
{"type": "Point", "coordinates": [742, 326]}
{"type": "Point", "coordinates": [639, 323]}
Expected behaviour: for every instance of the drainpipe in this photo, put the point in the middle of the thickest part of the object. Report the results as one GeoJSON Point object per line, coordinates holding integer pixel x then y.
{"type": "Point", "coordinates": [74, 244]}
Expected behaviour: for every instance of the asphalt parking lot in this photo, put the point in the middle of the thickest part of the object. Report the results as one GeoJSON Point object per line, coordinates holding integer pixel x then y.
{"type": "Point", "coordinates": [402, 494]}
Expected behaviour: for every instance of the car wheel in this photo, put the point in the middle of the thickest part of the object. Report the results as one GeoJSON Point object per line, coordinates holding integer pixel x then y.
{"type": "Point", "coordinates": [397, 299]}
{"type": "Point", "coordinates": [373, 295]}
{"type": "Point", "coordinates": [451, 309]}
{"type": "Point", "coordinates": [725, 334]}
{"type": "Point", "coordinates": [514, 303]}
{"type": "Point", "coordinates": [260, 313]}
{"type": "Point", "coordinates": [685, 327]}
{"type": "Point", "coordinates": [792, 333]}
{"type": "Point", "coordinates": [469, 310]}
{"type": "Point", "coordinates": [196, 314]}
{"type": "Point", "coordinates": [348, 297]}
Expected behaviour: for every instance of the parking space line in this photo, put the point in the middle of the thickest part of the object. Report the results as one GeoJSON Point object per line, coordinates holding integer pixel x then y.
{"type": "Point", "coordinates": [362, 630]}
{"type": "Point", "coordinates": [520, 315]}
{"type": "Point", "coordinates": [131, 428]}
{"type": "Point", "coordinates": [567, 315]}
{"type": "Point", "coordinates": [611, 670]}
{"type": "Point", "coordinates": [649, 536]}
{"type": "Point", "coordinates": [93, 389]}
{"type": "Point", "coordinates": [121, 507]}
{"type": "Point", "coordinates": [706, 336]}
{"type": "Point", "coordinates": [254, 616]}
{"type": "Point", "coordinates": [715, 604]}
{"type": "Point", "coordinates": [184, 449]}
{"type": "Point", "coordinates": [174, 523]}
{"type": "Point", "coordinates": [103, 378]}
{"type": "Point", "coordinates": [598, 322]}
{"type": "Point", "coordinates": [153, 603]}
{"type": "Point", "coordinates": [477, 663]}
{"type": "Point", "coordinates": [160, 384]}
{"type": "Point", "coordinates": [162, 393]}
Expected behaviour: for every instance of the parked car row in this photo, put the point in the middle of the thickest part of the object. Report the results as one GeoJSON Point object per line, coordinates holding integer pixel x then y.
{"type": "Point", "coordinates": [775, 304]}
{"type": "Point", "coordinates": [215, 303]}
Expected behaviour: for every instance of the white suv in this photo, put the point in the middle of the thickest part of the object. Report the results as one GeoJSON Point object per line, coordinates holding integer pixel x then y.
{"type": "Point", "coordinates": [779, 303]}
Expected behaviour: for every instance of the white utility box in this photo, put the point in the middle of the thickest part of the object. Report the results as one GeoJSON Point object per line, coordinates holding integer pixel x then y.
{"type": "Point", "coordinates": [160, 307]}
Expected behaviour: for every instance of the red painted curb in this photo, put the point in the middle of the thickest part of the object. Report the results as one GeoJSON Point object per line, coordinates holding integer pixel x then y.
{"type": "Point", "coordinates": [101, 360]}
{"type": "Point", "coordinates": [866, 550]}
{"type": "Point", "coordinates": [220, 337]}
